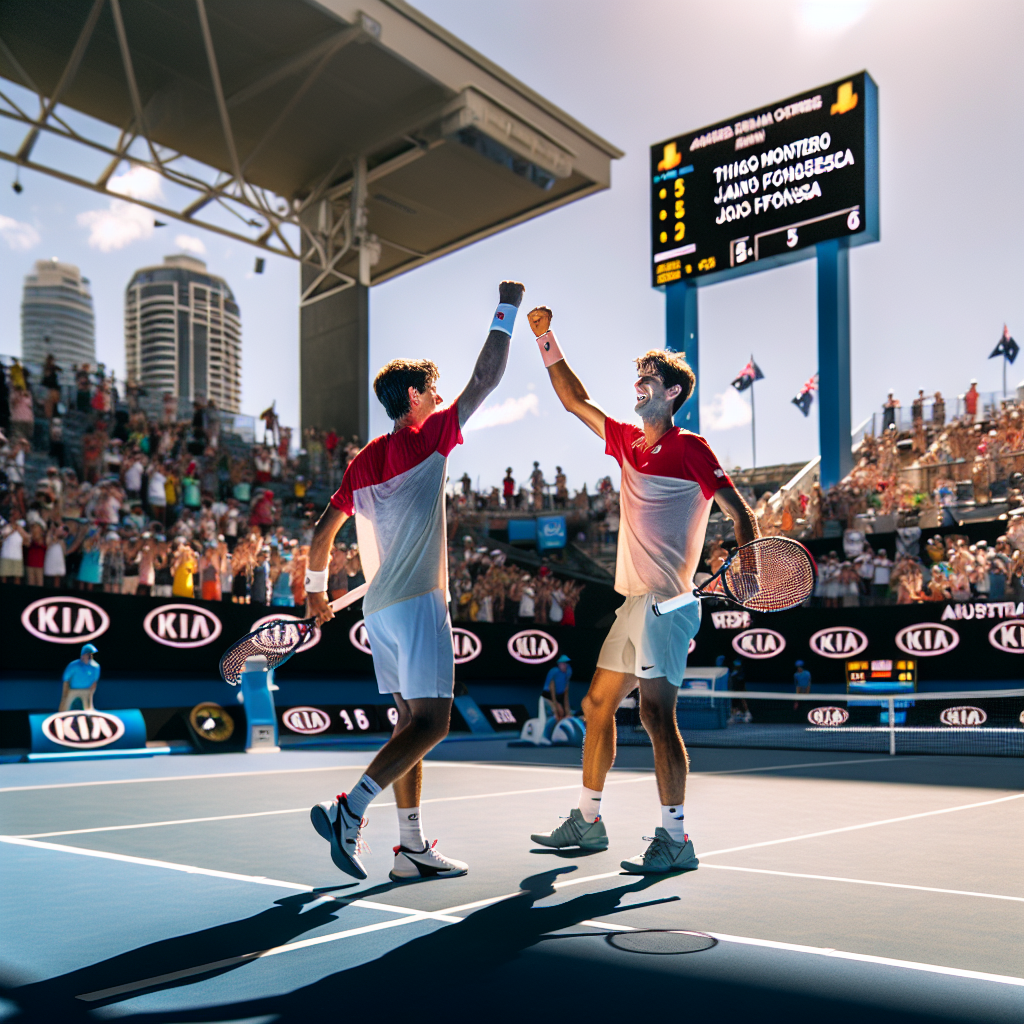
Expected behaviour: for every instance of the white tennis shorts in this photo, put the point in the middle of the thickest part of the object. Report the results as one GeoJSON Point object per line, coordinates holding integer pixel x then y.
{"type": "Point", "coordinates": [411, 642]}
{"type": "Point", "coordinates": [649, 646]}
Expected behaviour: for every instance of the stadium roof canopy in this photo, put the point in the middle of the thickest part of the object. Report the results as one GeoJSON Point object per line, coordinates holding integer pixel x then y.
{"type": "Point", "coordinates": [363, 140]}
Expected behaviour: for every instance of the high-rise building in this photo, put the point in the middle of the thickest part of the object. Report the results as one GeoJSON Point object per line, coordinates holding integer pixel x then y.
{"type": "Point", "coordinates": [183, 333]}
{"type": "Point", "coordinates": [57, 316]}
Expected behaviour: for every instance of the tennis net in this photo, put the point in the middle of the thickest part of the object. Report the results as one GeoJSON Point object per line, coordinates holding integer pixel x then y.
{"type": "Point", "coordinates": [983, 722]}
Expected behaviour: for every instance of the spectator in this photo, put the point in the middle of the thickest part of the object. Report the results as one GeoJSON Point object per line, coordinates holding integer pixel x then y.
{"type": "Point", "coordinates": [51, 381]}
{"type": "Point", "coordinates": [883, 569]}
{"type": "Point", "coordinates": [183, 569]}
{"type": "Point", "coordinates": [561, 490]}
{"type": "Point", "coordinates": [801, 681]}
{"type": "Point", "coordinates": [13, 538]}
{"type": "Point", "coordinates": [537, 484]}
{"type": "Point", "coordinates": [261, 587]}
{"type": "Point", "coordinates": [889, 412]}
{"type": "Point", "coordinates": [971, 402]}
{"type": "Point", "coordinates": [938, 411]}
{"type": "Point", "coordinates": [22, 416]}
{"type": "Point", "coordinates": [508, 486]}
{"type": "Point", "coordinates": [35, 554]}
{"type": "Point", "coordinates": [113, 563]}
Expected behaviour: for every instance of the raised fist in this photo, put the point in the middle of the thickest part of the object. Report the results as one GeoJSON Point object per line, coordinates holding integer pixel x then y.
{"type": "Point", "coordinates": [540, 319]}
{"type": "Point", "coordinates": [511, 292]}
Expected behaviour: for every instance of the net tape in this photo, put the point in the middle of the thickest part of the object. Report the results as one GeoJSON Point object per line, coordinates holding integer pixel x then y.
{"type": "Point", "coordinates": [979, 723]}
{"type": "Point", "coordinates": [276, 641]}
{"type": "Point", "coordinates": [770, 574]}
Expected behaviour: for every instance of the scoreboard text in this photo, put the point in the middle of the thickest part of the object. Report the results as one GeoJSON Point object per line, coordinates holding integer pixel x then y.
{"type": "Point", "coordinates": [767, 184]}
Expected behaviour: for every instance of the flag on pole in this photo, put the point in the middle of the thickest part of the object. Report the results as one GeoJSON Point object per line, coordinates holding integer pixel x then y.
{"type": "Point", "coordinates": [805, 397]}
{"type": "Point", "coordinates": [1007, 347]}
{"type": "Point", "coordinates": [747, 376]}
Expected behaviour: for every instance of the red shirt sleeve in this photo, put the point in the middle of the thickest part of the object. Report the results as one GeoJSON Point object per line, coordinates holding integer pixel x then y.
{"type": "Point", "coordinates": [703, 466]}
{"type": "Point", "coordinates": [618, 438]}
{"type": "Point", "coordinates": [342, 497]}
{"type": "Point", "coordinates": [446, 430]}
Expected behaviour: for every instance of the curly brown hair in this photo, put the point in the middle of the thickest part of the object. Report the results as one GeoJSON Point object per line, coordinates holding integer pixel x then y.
{"type": "Point", "coordinates": [392, 383]}
{"type": "Point", "coordinates": [672, 368]}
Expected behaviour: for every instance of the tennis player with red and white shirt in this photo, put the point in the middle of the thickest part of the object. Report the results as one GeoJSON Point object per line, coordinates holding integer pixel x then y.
{"type": "Point", "coordinates": [669, 478]}
{"type": "Point", "coordinates": [395, 489]}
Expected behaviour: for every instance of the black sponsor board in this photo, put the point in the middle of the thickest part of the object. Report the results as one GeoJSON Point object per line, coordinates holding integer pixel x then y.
{"type": "Point", "coordinates": [974, 642]}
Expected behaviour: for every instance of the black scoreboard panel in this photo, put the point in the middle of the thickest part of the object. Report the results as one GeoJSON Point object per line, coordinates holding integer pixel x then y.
{"type": "Point", "coordinates": [762, 186]}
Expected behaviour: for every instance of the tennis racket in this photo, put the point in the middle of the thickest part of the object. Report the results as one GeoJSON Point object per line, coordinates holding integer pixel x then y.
{"type": "Point", "coordinates": [769, 574]}
{"type": "Point", "coordinates": [277, 640]}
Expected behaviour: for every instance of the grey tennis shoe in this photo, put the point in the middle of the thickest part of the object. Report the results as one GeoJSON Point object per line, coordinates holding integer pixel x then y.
{"type": "Point", "coordinates": [575, 831]}
{"type": "Point", "coordinates": [334, 822]}
{"type": "Point", "coordinates": [662, 856]}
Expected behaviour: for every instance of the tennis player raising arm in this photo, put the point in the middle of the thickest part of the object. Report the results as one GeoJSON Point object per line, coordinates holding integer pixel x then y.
{"type": "Point", "coordinates": [395, 489]}
{"type": "Point", "coordinates": [669, 478]}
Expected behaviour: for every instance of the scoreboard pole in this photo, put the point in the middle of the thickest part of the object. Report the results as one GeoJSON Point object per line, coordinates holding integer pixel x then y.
{"type": "Point", "coordinates": [834, 361]}
{"type": "Point", "coordinates": [681, 335]}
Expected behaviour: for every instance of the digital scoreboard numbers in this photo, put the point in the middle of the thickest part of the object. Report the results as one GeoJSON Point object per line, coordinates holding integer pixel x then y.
{"type": "Point", "coordinates": [755, 191]}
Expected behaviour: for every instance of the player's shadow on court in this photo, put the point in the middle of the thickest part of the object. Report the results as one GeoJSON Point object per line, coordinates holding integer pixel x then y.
{"type": "Point", "coordinates": [288, 919]}
{"type": "Point", "coordinates": [431, 966]}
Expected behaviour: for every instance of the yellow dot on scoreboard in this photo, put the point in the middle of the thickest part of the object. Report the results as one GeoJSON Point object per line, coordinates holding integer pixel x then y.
{"type": "Point", "coordinates": [663, 215]}
{"type": "Point", "coordinates": [663, 236]}
{"type": "Point", "coordinates": [662, 194]}
{"type": "Point", "coordinates": [689, 269]}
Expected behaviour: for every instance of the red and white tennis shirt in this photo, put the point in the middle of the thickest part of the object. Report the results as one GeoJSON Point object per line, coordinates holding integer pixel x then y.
{"type": "Point", "coordinates": [665, 501]}
{"type": "Point", "coordinates": [395, 489]}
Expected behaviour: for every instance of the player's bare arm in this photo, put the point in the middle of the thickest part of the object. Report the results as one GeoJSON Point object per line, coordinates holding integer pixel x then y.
{"type": "Point", "coordinates": [327, 528]}
{"type": "Point", "coordinates": [490, 364]}
{"type": "Point", "coordinates": [569, 388]}
{"type": "Point", "coordinates": [744, 522]}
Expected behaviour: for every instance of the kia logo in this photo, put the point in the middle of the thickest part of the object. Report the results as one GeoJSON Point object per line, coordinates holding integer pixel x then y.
{"type": "Point", "coordinates": [532, 646]}
{"type": "Point", "coordinates": [759, 643]}
{"type": "Point", "coordinates": [1008, 636]}
{"type": "Point", "coordinates": [182, 625]}
{"type": "Point", "coordinates": [731, 620]}
{"type": "Point", "coordinates": [286, 635]}
{"type": "Point", "coordinates": [829, 716]}
{"type": "Point", "coordinates": [963, 716]}
{"type": "Point", "coordinates": [83, 730]}
{"type": "Point", "coordinates": [359, 638]}
{"type": "Point", "coordinates": [65, 620]}
{"type": "Point", "coordinates": [838, 642]}
{"type": "Point", "coordinates": [927, 639]}
{"type": "Point", "coordinates": [307, 721]}
{"type": "Point", "coordinates": [467, 645]}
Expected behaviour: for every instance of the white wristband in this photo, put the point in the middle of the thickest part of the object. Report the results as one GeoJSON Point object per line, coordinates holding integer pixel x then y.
{"type": "Point", "coordinates": [316, 582]}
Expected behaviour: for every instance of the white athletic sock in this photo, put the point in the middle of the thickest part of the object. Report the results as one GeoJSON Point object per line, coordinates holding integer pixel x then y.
{"type": "Point", "coordinates": [410, 829]}
{"type": "Point", "coordinates": [672, 821]}
{"type": "Point", "coordinates": [590, 804]}
{"type": "Point", "coordinates": [359, 796]}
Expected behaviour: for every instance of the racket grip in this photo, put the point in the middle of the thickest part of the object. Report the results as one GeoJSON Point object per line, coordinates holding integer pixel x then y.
{"type": "Point", "coordinates": [350, 598]}
{"type": "Point", "coordinates": [664, 607]}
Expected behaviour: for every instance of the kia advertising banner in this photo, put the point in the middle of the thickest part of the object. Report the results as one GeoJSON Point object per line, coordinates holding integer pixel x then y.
{"type": "Point", "coordinates": [139, 637]}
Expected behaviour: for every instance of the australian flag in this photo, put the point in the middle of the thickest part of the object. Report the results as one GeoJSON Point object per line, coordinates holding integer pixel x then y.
{"type": "Point", "coordinates": [747, 376]}
{"type": "Point", "coordinates": [805, 398]}
{"type": "Point", "coordinates": [1007, 346]}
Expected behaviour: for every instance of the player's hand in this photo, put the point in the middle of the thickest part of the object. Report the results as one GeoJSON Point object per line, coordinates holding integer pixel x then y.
{"type": "Point", "coordinates": [318, 605]}
{"type": "Point", "coordinates": [511, 292]}
{"type": "Point", "coordinates": [540, 320]}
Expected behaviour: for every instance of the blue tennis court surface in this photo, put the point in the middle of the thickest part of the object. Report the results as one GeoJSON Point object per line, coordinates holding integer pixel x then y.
{"type": "Point", "coordinates": [194, 889]}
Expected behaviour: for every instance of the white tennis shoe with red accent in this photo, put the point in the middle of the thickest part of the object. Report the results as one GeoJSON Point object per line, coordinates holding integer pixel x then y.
{"type": "Point", "coordinates": [334, 822]}
{"type": "Point", "coordinates": [415, 866]}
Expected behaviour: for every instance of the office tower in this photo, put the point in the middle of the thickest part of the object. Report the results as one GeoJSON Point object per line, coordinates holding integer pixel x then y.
{"type": "Point", "coordinates": [183, 333]}
{"type": "Point", "coordinates": [57, 316]}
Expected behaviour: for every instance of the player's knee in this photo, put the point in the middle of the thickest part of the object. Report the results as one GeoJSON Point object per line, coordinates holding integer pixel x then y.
{"type": "Point", "coordinates": [656, 717]}
{"type": "Point", "coordinates": [596, 706]}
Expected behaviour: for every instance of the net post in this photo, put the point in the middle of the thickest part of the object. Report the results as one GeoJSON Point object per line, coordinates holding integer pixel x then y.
{"type": "Point", "coordinates": [892, 727]}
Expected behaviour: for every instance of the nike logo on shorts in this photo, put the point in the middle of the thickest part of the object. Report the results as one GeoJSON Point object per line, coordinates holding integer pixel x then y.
{"type": "Point", "coordinates": [646, 668]}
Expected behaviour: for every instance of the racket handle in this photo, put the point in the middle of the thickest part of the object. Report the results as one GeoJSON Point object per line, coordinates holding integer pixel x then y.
{"type": "Point", "coordinates": [350, 598]}
{"type": "Point", "coordinates": [664, 607]}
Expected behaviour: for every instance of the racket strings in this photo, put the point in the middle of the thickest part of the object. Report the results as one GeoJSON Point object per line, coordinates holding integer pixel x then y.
{"type": "Point", "coordinates": [275, 641]}
{"type": "Point", "coordinates": [770, 574]}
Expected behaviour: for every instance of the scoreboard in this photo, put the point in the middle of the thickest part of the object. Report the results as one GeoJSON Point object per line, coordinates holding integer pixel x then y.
{"type": "Point", "coordinates": [754, 191]}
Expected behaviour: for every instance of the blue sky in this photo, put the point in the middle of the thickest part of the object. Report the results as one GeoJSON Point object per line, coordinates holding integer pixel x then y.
{"type": "Point", "coordinates": [928, 301]}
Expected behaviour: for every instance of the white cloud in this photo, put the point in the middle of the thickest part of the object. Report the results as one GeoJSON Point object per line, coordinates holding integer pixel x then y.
{"type": "Point", "coordinates": [122, 222]}
{"type": "Point", "coordinates": [17, 234]}
{"type": "Point", "coordinates": [725, 411]}
{"type": "Point", "coordinates": [511, 410]}
{"type": "Point", "coordinates": [189, 243]}
{"type": "Point", "coordinates": [831, 16]}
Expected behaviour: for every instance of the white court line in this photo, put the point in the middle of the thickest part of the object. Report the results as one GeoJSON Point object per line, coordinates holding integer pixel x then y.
{"type": "Point", "coordinates": [297, 810]}
{"type": "Point", "coordinates": [808, 764]}
{"type": "Point", "coordinates": [885, 961]}
{"type": "Point", "coordinates": [280, 771]}
{"type": "Point", "coordinates": [867, 824]}
{"type": "Point", "coordinates": [863, 881]}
